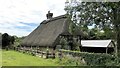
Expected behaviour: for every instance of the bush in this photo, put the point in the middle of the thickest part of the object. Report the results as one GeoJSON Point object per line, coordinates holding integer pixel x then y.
{"type": "Point", "coordinates": [70, 61]}
{"type": "Point", "coordinates": [94, 59]}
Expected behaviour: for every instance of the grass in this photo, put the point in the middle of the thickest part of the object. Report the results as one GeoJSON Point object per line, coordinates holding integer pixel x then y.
{"type": "Point", "coordinates": [13, 58]}
{"type": "Point", "coordinates": [0, 57]}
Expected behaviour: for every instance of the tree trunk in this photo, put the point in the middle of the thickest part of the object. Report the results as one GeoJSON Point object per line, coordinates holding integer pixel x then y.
{"type": "Point", "coordinates": [117, 31]}
{"type": "Point", "coordinates": [118, 36]}
{"type": "Point", "coordinates": [118, 42]}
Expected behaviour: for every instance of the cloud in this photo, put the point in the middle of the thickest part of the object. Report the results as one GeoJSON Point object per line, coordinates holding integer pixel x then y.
{"type": "Point", "coordinates": [20, 17]}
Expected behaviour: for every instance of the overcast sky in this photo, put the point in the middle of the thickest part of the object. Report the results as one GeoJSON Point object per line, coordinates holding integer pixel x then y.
{"type": "Point", "coordinates": [20, 17]}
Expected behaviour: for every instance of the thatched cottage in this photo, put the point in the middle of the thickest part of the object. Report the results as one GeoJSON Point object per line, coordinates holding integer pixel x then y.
{"type": "Point", "coordinates": [50, 32]}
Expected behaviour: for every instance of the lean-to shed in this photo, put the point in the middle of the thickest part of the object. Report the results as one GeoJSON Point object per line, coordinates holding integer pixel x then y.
{"type": "Point", "coordinates": [97, 46]}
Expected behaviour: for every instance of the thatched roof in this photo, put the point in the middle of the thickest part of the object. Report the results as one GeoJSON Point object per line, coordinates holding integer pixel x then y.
{"type": "Point", "coordinates": [47, 32]}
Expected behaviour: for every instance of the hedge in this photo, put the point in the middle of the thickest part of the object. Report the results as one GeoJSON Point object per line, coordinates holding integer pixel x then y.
{"type": "Point", "coordinates": [95, 59]}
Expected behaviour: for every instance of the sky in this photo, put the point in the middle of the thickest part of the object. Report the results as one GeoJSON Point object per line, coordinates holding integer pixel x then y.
{"type": "Point", "coordinates": [21, 17]}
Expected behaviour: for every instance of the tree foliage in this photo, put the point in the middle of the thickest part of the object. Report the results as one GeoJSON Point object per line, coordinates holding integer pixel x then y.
{"type": "Point", "coordinates": [7, 40]}
{"type": "Point", "coordinates": [104, 17]}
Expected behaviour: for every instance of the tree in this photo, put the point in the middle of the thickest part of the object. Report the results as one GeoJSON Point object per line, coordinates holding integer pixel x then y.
{"type": "Point", "coordinates": [5, 40]}
{"type": "Point", "coordinates": [12, 39]}
{"type": "Point", "coordinates": [104, 15]}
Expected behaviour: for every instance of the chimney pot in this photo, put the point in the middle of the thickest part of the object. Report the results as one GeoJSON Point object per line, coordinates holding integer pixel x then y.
{"type": "Point", "coordinates": [49, 15]}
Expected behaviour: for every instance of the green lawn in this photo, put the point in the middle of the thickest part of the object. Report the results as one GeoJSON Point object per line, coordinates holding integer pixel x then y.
{"type": "Point", "coordinates": [0, 57]}
{"type": "Point", "coordinates": [13, 58]}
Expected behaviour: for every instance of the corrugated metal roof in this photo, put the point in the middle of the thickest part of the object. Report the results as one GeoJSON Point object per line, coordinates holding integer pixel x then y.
{"type": "Point", "coordinates": [95, 43]}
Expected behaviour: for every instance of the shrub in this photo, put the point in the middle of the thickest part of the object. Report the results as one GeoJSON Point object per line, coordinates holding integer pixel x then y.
{"type": "Point", "coordinates": [94, 59]}
{"type": "Point", "coordinates": [70, 61]}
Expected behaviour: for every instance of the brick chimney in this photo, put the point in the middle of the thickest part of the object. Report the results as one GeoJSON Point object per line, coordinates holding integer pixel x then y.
{"type": "Point", "coordinates": [49, 15]}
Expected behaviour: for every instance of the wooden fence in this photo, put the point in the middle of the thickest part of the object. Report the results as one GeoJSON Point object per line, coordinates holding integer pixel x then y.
{"type": "Point", "coordinates": [35, 52]}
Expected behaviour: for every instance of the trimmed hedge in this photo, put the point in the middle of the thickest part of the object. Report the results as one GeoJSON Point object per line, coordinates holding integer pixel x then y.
{"type": "Point", "coordinates": [95, 59]}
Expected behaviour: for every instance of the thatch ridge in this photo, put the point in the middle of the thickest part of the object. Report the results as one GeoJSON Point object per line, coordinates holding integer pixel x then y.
{"type": "Point", "coordinates": [53, 19]}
